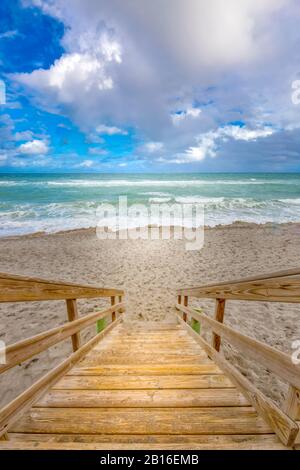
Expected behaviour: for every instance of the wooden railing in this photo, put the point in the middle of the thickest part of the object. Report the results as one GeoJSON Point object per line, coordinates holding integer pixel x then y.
{"type": "Point", "coordinates": [282, 286]}
{"type": "Point", "coordinates": [22, 289]}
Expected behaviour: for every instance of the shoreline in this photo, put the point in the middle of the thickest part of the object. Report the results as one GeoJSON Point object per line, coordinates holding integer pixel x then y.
{"type": "Point", "coordinates": [237, 224]}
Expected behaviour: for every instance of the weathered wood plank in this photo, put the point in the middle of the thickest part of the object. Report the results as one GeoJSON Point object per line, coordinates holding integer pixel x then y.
{"type": "Point", "coordinates": [21, 288]}
{"type": "Point", "coordinates": [143, 442]}
{"type": "Point", "coordinates": [112, 302]}
{"type": "Point", "coordinates": [219, 317]}
{"type": "Point", "coordinates": [23, 350]}
{"type": "Point", "coordinates": [285, 427]}
{"type": "Point", "coordinates": [110, 358]}
{"type": "Point", "coordinates": [292, 405]}
{"type": "Point", "coordinates": [73, 315]}
{"type": "Point", "coordinates": [239, 420]}
{"type": "Point", "coordinates": [269, 357]}
{"type": "Point", "coordinates": [150, 326]}
{"type": "Point", "coordinates": [142, 398]}
{"type": "Point", "coordinates": [143, 382]}
{"type": "Point", "coordinates": [262, 277]}
{"type": "Point", "coordinates": [149, 369]}
{"type": "Point", "coordinates": [283, 289]}
{"type": "Point", "coordinates": [147, 349]}
{"type": "Point", "coordinates": [13, 410]}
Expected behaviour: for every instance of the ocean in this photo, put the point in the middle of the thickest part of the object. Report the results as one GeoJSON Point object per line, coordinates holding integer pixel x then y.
{"type": "Point", "coordinates": [55, 202]}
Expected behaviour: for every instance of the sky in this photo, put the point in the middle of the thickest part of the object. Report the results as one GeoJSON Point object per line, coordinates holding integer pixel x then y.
{"type": "Point", "coordinates": [140, 86]}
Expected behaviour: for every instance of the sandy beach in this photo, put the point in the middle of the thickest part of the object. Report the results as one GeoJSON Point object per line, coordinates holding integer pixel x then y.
{"type": "Point", "coordinates": [150, 271]}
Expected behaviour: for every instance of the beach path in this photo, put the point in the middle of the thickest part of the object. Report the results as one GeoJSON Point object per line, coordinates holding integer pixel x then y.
{"type": "Point", "coordinates": [143, 386]}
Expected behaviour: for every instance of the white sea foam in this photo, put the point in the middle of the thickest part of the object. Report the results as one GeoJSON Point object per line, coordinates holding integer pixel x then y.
{"type": "Point", "coordinates": [225, 201]}
{"type": "Point", "coordinates": [145, 182]}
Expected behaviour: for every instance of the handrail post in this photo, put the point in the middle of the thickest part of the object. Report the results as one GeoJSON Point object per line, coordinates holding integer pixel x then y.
{"type": "Point", "coordinates": [219, 316]}
{"type": "Point", "coordinates": [185, 303]}
{"type": "Point", "coordinates": [73, 315]}
{"type": "Point", "coordinates": [112, 302]}
{"type": "Point", "coordinates": [179, 299]}
{"type": "Point", "coordinates": [120, 299]}
{"type": "Point", "coordinates": [292, 404]}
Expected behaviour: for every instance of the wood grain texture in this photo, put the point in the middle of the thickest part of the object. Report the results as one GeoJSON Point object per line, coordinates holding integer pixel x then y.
{"type": "Point", "coordinates": [269, 357]}
{"type": "Point", "coordinates": [142, 382]}
{"type": "Point", "coordinates": [111, 358]}
{"type": "Point", "coordinates": [15, 288]}
{"type": "Point", "coordinates": [279, 289]}
{"type": "Point", "coordinates": [148, 369]}
{"type": "Point", "coordinates": [285, 428]}
{"type": "Point", "coordinates": [128, 393]}
{"type": "Point", "coordinates": [292, 405]}
{"type": "Point", "coordinates": [73, 315]}
{"type": "Point", "coordinates": [23, 350]}
{"type": "Point", "coordinates": [20, 441]}
{"type": "Point", "coordinates": [13, 410]}
{"type": "Point", "coordinates": [142, 398]}
{"type": "Point", "coordinates": [219, 316]}
{"type": "Point", "coordinates": [232, 420]}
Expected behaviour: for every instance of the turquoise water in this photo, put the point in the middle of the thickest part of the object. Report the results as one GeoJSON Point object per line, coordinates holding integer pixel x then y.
{"type": "Point", "coordinates": [54, 202]}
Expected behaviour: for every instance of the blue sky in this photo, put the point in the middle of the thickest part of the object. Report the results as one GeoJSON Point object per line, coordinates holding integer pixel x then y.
{"type": "Point", "coordinates": [132, 85]}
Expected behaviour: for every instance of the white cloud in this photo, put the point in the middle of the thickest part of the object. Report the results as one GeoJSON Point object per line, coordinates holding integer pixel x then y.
{"type": "Point", "coordinates": [110, 130]}
{"type": "Point", "coordinates": [188, 113]}
{"type": "Point", "coordinates": [85, 164]}
{"type": "Point", "coordinates": [69, 75]}
{"type": "Point", "coordinates": [152, 147]}
{"type": "Point", "coordinates": [125, 63]}
{"type": "Point", "coordinates": [9, 34]}
{"type": "Point", "coordinates": [93, 138]}
{"type": "Point", "coordinates": [23, 135]}
{"type": "Point", "coordinates": [34, 147]}
{"type": "Point", "coordinates": [193, 33]}
{"type": "Point", "coordinates": [243, 133]}
{"type": "Point", "coordinates": [3, 159]}
{"type": "Point", "coordinates": [207, 144]}
{"type": "Point", "coordinates": [97, 151]}
{"type": "Point", "coordinates": [132, 64]}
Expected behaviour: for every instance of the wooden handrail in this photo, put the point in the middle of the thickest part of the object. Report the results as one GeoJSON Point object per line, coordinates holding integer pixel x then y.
{"type": "Point", "coordinates": [273, 275]}
{"type": "Point", "coordinates": [281, 289]}
{"type": "Point", "coordinates": [285, 427]}
{"type": "Point", "coordinates": [283, 286]}
{"type": "Point", "coordinates": [277, 361]}
{"type": "Point", "coordinates": [22, 289]}
{"type": "Point", "coordinates": [23, 350]}
{"type": "Point", "coordinates": [11, 412]}
{"type": "Point", "coordinates": [15, 288]}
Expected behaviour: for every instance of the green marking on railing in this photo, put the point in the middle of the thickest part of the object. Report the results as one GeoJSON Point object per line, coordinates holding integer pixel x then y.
{"type": "Point", "coordinates": [101, 324]}
{"type": "Point", "coordinates": [195, 324]}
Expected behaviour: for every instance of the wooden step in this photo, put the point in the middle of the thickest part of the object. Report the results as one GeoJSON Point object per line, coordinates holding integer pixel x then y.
{"type": "Point", "coordinates": [150, 326]}
{"type": "Point", "coordinates": [142, 382]}
{"type": "Point", "coordinates": [223, 420]}
{"type": "Point", "coordinates": [143, 442]}
{"type": "Point", "coordinates": [143, 387]}
{"type": "Point", "coordinates": [149, 346]}
{"type": "Point", "coordinates": [142, 398]}
{"type": "Point", "coordinates": [148, 369]}
{"type": "Point", "coordinates": [104, 358]}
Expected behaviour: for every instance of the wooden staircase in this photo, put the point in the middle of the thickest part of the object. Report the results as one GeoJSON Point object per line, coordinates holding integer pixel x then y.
{"type": "Point", "coordinates": [150, 385]}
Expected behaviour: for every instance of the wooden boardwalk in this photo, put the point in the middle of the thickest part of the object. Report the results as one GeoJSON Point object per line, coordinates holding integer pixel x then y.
{"type": "Point", "coordinates": [150, 386]}
{"type": "Point", "coordinates": [143, 386]}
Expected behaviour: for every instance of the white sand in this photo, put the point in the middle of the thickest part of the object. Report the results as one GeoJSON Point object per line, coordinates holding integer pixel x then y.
{"type": "Point", "coordinates": [150, 272]}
